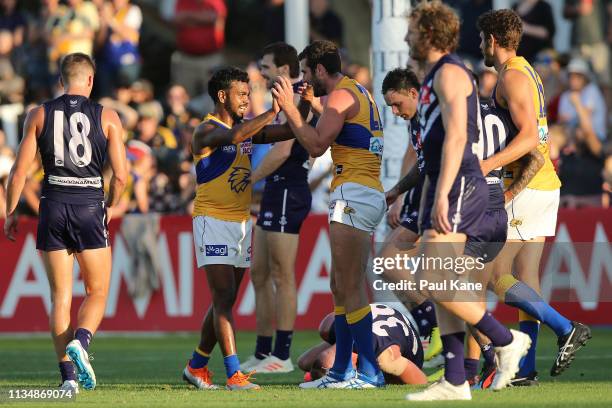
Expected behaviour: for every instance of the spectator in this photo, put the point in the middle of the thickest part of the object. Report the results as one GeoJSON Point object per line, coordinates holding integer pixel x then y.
{"type": "Point", "coordinates": [548, 64]}
{"type": "Point", "coordinates": [120, 24]}
{"type": "Point", "coordinates": [83, 22]}
{"type": "Point", "coordinates": [325, 24]}
{"type": "Point", "coordinates": [581, 160]}
{"type": "Point", "coordinates": [591, 98]}
{"type": "Point", "coordinates": [538, 27]}
{"type": "Point", "coordinates": [14, 21]}
{"type": "Point", "coordinates": [11, 85]}
{"type": "Point", "coordinates": [176, 116]}
{"type": "Point", "coordinates": [587, 37]}
{"type": "Point", "coordinates": [200, 39]}
{"type": "Point", "coordinates": [469, 37]}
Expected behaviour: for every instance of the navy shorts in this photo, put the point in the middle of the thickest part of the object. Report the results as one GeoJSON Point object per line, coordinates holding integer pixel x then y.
{"type": "Point", "coordinates": [71, 226]}
{"type": "Point", "coordinates": [494, 232]}
{"type": "Point", "coordinates": [409, 217]}
{"type": "Point", "coordinates": [283, 209]}
{"type": "Point", "coordinates": [467, 203]}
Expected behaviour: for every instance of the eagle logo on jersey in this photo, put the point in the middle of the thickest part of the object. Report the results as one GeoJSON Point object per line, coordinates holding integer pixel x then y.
{"type": "Point", "coordinates": [239, 179]}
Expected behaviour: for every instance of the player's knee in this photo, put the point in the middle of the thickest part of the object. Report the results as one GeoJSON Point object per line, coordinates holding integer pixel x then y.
{"type": "Point", "coordinates": [223, 300]}
{"type": "Point", "coordinates": [259, 279]}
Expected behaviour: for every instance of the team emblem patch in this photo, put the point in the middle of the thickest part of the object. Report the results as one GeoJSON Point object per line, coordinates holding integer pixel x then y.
{"type": "Point", "coordinates": [239, 179]}
{"type": "Point", "coordinates": [246, 147]}
{"type": "Point", "coordinates": [349, 210]}
{"type": "Point", "coordinates": [515, 223]}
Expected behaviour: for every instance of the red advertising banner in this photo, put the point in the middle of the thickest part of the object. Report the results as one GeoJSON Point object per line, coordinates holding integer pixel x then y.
{"type": "Point", "coordinates": [581, 273]}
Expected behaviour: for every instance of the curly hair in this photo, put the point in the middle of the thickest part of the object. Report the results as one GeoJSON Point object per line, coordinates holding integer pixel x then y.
{"type": "Point", "coordinates": [438, 23]}
{"type": "Point", "coordinates": [322, 52]}
{"type": "Point", "coordinates": [400, 79]}
{"type": "Point", "coordinates": [222, 80]}
{"type": "Point", "coordinates": [504, 25]}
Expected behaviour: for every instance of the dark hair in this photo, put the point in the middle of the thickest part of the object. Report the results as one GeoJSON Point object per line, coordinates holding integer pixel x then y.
{"type": "Point", "coordinates": [284, 54]}
{"type": "Point", "coordinates": [322, 52]}
{"type": "Point", "coordinates": [400, 79]}
{"type": "Point", "coordinates": [438, 23]}
{"type": "Point", "coordinates": [504, 25]}
{"type": "Point", "coordinates": [71, 63]}
{"type": "Point", "coordinates": [222, 80]}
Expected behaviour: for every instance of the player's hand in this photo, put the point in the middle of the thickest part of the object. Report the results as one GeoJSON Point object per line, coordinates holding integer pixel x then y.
{"type": "Point", "coordinates": [109, 214]}
{"type": "Point", "coordinates": [306, 91]}
{"type": "Point", "coordinates": [391, 196]}
{"type": "Point", "coordinates": [275, 108]}
{"type": "Point", "coordinates": [394, 216]}
{"type": "Point", "coordinates": [283, 92]}
{"type": "Point", "coordinates": [439, 215]}
{"type": "Point", "coordinates": [10, 226]}
{"type": "Point", "coordinates": [484, 167]}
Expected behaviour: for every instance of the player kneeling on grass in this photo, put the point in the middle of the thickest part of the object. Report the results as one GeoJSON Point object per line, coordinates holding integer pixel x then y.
{"type": "Point", "coordinates": [397, 346]}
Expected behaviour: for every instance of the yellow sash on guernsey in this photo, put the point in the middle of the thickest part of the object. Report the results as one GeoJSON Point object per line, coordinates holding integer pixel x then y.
{"type": "Point", "coordinates": [223, 175]}
{"type": "Point", "coordinates": [357, 151]}
{"type": "Point", "coordinates": [546, 179]}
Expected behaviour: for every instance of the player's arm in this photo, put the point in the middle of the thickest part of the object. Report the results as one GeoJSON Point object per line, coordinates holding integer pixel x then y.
{"type": "Point", "coordinates": [452, 86]}
{"type": "Point", "coordinates": [515, 87]}
{"type": "Point", "coordinates": [26, 155]}
{"type": "Point", "coordinates": [210, 135]}
{"type": "Point", "coordinates": [397, 192]}
{"type": "Point", "coordinates": [116, 156]}
{"type": "Point", "coordinates": [392, 362]}
{"type": "Point", "coordinates": [275, 157]}
{"type": "Point", "coordinates": [314, 140]}
{"type": "Point", "coordinates": [531, 163]}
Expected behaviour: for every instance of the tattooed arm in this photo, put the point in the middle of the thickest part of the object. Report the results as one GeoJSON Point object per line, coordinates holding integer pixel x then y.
{"type": "Point", "coordinates": [531, 163]}
{"type": "Point", "coordinates": [406, 183]}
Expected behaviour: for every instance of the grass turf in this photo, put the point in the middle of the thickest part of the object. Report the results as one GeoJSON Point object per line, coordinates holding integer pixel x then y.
{"type": "Point", "coordinates": [146, 371]}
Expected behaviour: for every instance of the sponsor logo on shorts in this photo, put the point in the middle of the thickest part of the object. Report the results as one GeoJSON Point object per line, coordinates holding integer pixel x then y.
{"type": "Point", "coordinates": [283, 220]}
{"type": "Point", "coordinates": [267, 223]}
{"type": "Point", "coordinates": [216, 250]}
{"type": "Point", "coordinates": [268, 214]}
{"type": "Point", "coordinates": [457, 219]}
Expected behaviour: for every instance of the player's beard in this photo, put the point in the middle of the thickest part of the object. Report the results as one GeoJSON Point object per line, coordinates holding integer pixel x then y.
{"type": "Point", "coordinates": [236, 117]}
{"type": "Point", "coordinates": [318, 88]}
{"type": "Point", "coordinates": [418, 51]}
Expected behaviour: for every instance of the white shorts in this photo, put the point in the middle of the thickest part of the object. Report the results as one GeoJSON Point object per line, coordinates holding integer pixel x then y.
{"type": "Point", "coordinates": [358, 206]}
{"type": "Point", "coordinates": [532, 213]}
{"type": "Point", "coordinates": [219, 242]}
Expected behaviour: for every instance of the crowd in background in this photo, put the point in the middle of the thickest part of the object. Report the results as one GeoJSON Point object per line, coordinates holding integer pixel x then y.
{"type": "Point", "coordinates": [159, 116]}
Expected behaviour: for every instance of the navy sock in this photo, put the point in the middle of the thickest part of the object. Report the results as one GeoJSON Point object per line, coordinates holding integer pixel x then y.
{"type": "Point", "coordinates": [454, 370]}
{"type": "Point", "coordinates": [263, 347]}
{"type": "Point", "coordinates": [528, 363]}
{"type": "Point", "coordinates": [231, 365]}
{"type": "Point", "coordinates": [343, 361]}
{"type": "Point", "coordinates": [360, 324]}
{"type": "Point", "coordinates": [282, 344]}
{"type": "Point", "coordinates": [83, 336]}
{"type": "Point", "coordinates": [488, 353]}
{"type": "Point", "coordinates": [199, 359]}
{"type": "Point", "coordinates": [425, 317]}
{"type": "Point", "coordinates": [523, 297]}
{"type": "Point", "coordinates": [499, 334]}
{"type": "Point", "coordinates": [471, 368]}
{"type": "Point", "coordinates": [67, 371]}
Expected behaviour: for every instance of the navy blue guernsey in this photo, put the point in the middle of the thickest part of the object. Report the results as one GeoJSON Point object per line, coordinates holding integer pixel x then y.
{"type": "Point", "coordinates": [73, 150]}
{"type": "Point", "coordinates": [432, 127]}
{"type": "Point", "coordinates": [414, 194]}
{"type": "Point", "coordinates": [497, 131]}
{"type": "Point", "coordinates": [294, 170]}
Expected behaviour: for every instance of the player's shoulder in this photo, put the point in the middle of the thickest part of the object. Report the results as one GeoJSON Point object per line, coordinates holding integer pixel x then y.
{"type": "Point", "coordinates": [109, 114]}
{"type": "Point", "coordinates": [452, 76]}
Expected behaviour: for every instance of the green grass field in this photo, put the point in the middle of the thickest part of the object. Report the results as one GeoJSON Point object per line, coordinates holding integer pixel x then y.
{"type": "Point", "coordinates": [146, 371]}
